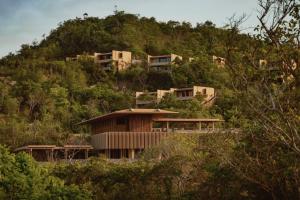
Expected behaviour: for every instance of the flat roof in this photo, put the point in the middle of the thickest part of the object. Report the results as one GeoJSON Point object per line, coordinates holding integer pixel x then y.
{"type": "Point", "coordinates": [104, 53]}
{"type": "Point", "coordinates": [128, 112]}
{"type": "Point", "coordinates": [46, 147]}
{"type": "Point", "coordinates": [182, 89]}
{"type": "Point", "coordinates": [35, 147]}
{"type": "Point", "coordinates": [186, 120]}
{"type": "Point", "coordinates": [168, 55]}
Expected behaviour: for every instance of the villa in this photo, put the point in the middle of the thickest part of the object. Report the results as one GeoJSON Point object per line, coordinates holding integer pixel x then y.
{"type": "Point", "coordinates": [162, 62]}
{"type": "Point", "coordinates": [124, 133]}
{"type": "Point", "coordinates": [114, 60]}
{"type": "Point", "coordinates": [148, 98]}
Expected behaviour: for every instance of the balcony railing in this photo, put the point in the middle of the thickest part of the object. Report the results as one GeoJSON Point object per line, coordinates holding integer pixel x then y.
{"type": "Point", "coordinates": [138, 140]}
{"type": "Point", "coordinates": [159, 63]}
{"type": "Point", "coordinates": [126, 140]}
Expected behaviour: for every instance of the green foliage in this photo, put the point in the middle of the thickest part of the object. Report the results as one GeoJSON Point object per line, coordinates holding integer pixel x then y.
{"type": "Point", "coordinates": [23, 178]}
{"type": "Point", "coordinates": [42, 97]}
{"type": "Point", "coordinates": [41, 94]}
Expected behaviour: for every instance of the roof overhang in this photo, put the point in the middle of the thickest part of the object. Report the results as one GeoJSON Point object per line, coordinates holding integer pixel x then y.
{"type": "Point", "coordinates": [128, 112]}
{"type": "Point", "coordinates": [186, 120]}
{"type": "Point", "coordinates": [53, 147]}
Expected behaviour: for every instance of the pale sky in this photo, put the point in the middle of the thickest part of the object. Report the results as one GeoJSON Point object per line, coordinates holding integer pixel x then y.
{"type": "Point", "coordinates": [23, 21]}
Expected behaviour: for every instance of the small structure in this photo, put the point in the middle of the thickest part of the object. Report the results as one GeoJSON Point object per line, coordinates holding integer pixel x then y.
{"type": "Point", "coordinates": [162, 62]}
{"type": "Point", "coordinates": [83, 57]}
{"type": "Point", "coordinates": [148, 98]}
{"type": "Point", "coordinates": [124, 133]}
{"type": "Point", "coordinates": [50, 153]}
{"type": "Point", "coordinates": [114, 60]}
{"type": "Point", "coordinates": [219, 61]}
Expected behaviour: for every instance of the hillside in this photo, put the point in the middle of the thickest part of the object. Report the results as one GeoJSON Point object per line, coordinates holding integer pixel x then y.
{"type": "Point", "coordinates": [255, 156]}
{"type": "Point", "coordinates": [42, 96]}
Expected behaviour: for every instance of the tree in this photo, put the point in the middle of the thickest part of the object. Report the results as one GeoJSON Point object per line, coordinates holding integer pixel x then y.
{"type": "Point", "coordinates": [269, 155]}
{"type": "Point", "coordinates": [23, 178]}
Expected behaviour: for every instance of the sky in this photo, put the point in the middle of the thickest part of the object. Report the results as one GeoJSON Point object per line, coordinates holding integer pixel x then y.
{"type": "Point", "coordinates": [25, 21]}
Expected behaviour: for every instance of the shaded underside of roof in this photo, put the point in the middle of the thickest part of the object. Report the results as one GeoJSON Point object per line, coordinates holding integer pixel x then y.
{"type": "Point", "coordinates": [128, 112]}
{"type": "Point", "coordinates": [53, 147]}
{"type": "Point", "coordinates": [186, 120]}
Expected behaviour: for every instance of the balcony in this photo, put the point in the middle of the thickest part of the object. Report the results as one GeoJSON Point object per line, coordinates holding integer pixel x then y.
{"type": "Point", "coordinates": [159, 61]}
{"type": "Point", "coordinates": [126, 140]}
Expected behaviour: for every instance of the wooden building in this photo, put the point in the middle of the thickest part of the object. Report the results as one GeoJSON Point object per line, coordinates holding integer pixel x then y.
{"type": "Point", "coordinates": [50, 153]}
{"type": "Point", "coordinates": [124, 133]}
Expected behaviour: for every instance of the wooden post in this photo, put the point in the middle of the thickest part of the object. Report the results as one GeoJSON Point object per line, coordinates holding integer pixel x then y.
{"type": "Point", "coordinates": [30, 152]}
{"type": "Point", "coordinates": [131, 153]}
{"type": "Point", "coordinates": [213, 126]}
{"type": "Point", "coordinates": [200, 128]}
{"type": "Point", "coordinates": [51, 156]}
{"type": "Point", "coordinates": [121, 153]}
{"type": "Point", "coordinates": [66, 154]}
{"type": "Point", "coordinates": [167, 126]}
{"type": "Point", "coordinates": [86, 154]}
{"type": "Point", "coordinates": [159, 156]}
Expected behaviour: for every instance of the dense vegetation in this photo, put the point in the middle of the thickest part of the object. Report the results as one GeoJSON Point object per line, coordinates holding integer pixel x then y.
{"type": "Point", "coordinates": [42, 97]}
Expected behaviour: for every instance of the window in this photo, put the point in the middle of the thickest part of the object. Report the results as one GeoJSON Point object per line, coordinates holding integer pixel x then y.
{"type": "Point", "coordinates": [204, 91]}
{"type": "Point", "coordinates": [120, 55]}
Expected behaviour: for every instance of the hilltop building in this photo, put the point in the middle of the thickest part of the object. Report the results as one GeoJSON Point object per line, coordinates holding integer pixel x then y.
{"type": "Point", "coordinates": [121, 60]}
{"type": "Point", "coordinates": [82, 57]}
{"type": "Point", "coordinates": [147, 98]}
{"type": "Point", "coordinates": [114, 60]}
{"type": "Point", "coordinates": [162, 62]}
{"type": "Point", "coordinates": [124, 133]}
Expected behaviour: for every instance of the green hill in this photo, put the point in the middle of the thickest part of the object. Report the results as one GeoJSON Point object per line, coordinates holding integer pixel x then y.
{"type": "Point", "coordinates": [42, 96]}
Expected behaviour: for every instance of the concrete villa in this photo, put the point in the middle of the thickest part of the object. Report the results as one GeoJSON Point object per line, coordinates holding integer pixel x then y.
{"type": "Point", "coordinates": [121, 60]}
{"type": "Point", "coordinates": [111, 61]}
{"type": "Point", "coordinates": [114, 60]}
{"type": "Point", "coordinates": [147, 98]}
{"type": "Point", "coordinates": [162, 62]}
{"type": "Point", "coordinates": [83, 57]}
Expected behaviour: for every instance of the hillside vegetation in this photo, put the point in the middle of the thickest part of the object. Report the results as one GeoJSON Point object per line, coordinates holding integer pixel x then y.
{"type": "Point", "coordinates": [42, 97]}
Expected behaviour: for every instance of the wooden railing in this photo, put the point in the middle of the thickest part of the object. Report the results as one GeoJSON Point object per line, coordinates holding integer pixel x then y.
{"type": "Point", "coordinates": [178, 130]}
{"type": "Point", "coordinates": [127, 140]}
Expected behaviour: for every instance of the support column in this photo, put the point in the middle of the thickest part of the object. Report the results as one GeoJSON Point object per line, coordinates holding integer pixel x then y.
{"type": "Point", "coordinates": [159, 156]}
{"type": "Point", "coordinates": [86, 154]}
{"type": "Point", "coordinates": [51, 156]}
{"type": "Point", "coordinates": [213, 126]}
{"type": "Point", "coordinates": [131, 153]}
{"type": "Point", "coordinates": [66, 154]}
{"type": "Point", "coordinates": [200, 128]}
{"type": "Point", "coordinates": [167, 126]}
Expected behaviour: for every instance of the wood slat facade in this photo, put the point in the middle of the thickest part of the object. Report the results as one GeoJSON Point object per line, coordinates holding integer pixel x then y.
{"type": "Point", "coordinates": [125, 132]}
{"type": "Point", "coordinates": [131, 123]}
{"type": "Point", "coordinates": [126, 140]}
